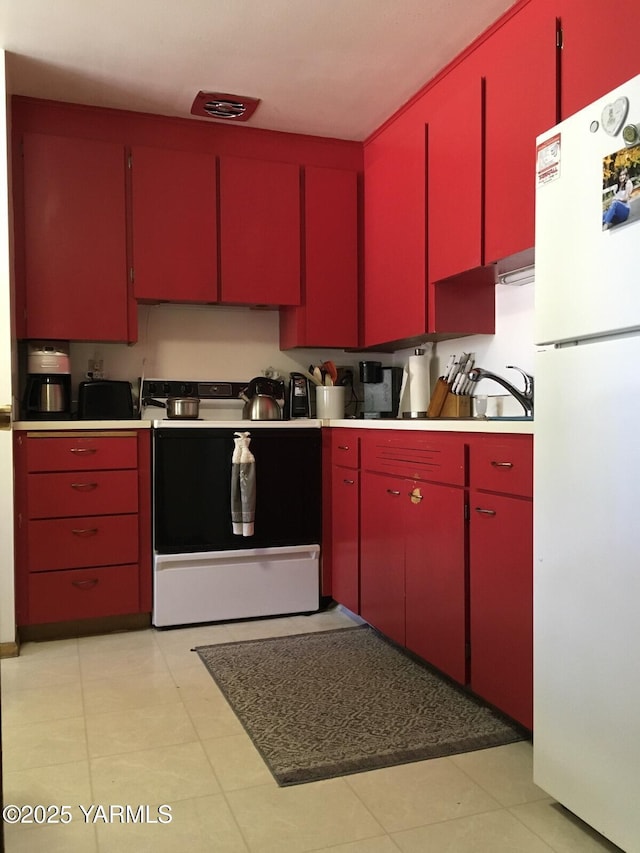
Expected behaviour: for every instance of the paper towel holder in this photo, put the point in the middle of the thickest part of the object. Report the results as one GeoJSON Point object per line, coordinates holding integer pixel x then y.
{"type": "Point", "coordinates": [414, 414]}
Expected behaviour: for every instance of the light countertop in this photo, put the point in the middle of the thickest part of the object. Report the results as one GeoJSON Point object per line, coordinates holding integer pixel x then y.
{"type": "Point", "coordinates": [502, 426]}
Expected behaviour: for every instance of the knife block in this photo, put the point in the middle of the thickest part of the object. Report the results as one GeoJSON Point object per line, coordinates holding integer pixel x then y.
{"type": "Point", "coordinates": [456, 406]}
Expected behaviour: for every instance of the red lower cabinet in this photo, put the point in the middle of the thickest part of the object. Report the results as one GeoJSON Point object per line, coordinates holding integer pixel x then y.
{"type": "Point", "coordinates": [345, 580]}
{"type": "Point", "coordinates": [382, 592]}
{"type": "Point", "coordinates": [83, 537]}
{"type": "Point", "coordinates": [83, 594]}
{"type": "Point", "coordinates": [412, 572]}
{"type": "Point", "coordinates": [501, 573]}
{"type": "Point", "coordinates": [435, 605]}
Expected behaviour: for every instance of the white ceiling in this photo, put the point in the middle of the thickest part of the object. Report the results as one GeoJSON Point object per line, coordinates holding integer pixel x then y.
{"type": "Point", "coordinates": [327, 67]}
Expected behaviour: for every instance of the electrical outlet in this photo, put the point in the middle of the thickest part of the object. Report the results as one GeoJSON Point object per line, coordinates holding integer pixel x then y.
{"type": "Point", "coordinates": [96, 370]}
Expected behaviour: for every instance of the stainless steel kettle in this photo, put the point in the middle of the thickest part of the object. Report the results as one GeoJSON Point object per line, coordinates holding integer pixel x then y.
{"type": "Point", "coordinates": [261, 400]}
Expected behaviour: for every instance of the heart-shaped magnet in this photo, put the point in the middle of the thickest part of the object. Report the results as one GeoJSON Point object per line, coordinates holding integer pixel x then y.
{"type": "Point", "coordinates": [613, 115]}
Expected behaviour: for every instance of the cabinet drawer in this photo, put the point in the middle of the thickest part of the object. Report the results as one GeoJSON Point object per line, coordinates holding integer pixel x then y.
{"type": "Point", "coordinates": [83, 452]}
{"type": "Point", "coordinates": [82, 493]}
{"type": "Point", "coordinates": [71, 543]}
{"type": "Point", "coordinates": [503, 465]}
{"type": "Point", "coordinates": [345, 448]}
{"type": "Point", "coordinates": [419, 456]}
{"type": "Point", "coordinates": [83, 594]}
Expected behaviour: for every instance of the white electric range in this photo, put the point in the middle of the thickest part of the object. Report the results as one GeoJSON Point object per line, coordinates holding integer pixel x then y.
{"type": "Point", "coordinates": [203, 572]}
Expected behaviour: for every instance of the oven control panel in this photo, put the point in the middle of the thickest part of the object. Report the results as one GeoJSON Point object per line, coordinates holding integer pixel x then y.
{"type": "Point", "coordinates": [163, 388]}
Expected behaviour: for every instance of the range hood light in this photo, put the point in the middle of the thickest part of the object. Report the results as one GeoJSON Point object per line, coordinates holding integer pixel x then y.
{"type": "Point", "coordinates": [525, 275]}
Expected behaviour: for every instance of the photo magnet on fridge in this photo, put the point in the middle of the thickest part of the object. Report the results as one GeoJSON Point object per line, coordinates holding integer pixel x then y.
{"type": "Point", "coordinates": [621, 187]}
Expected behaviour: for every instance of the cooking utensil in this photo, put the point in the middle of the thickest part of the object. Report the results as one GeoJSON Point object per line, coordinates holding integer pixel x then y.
{"type": "Point", "coordinates": [311, 376]}
{"type": "Point", "coordinates": [186, 408]}
{"type": "Point", "coordinates": [331, 373]}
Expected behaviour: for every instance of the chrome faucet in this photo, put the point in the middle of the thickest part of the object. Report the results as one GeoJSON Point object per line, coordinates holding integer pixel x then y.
{"type": "Point", "coordinates": [524, 397]}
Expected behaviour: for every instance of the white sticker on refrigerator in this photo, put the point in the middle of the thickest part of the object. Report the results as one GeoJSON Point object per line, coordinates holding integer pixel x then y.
{"type": "Point", "coordinates": [548, 160]}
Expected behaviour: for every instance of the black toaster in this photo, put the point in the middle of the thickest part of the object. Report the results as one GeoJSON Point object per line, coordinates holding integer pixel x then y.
{"type": "Point", "coordinates": [105, 400]}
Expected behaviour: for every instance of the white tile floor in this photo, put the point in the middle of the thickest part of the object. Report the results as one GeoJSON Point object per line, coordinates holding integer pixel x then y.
{"type": "Point", "coordinates": [135, 719]}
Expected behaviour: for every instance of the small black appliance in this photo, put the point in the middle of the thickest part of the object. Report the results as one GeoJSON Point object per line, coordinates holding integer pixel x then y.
{"type": "Point", "coordinates": [105, 399]}
{"type": "Point", "coordinates": [299, 396]}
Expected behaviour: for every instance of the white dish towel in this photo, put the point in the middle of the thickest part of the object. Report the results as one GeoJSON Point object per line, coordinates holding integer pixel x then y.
{"type": "Point", "coordinates": [243, 485]}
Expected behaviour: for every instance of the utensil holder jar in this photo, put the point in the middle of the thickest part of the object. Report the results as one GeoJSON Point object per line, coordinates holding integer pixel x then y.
{"type": "Point", "coordinates": [330, 402]}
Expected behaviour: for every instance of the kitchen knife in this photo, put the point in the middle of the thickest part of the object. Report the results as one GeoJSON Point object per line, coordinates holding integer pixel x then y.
{"type": "Point", "coordinates": [459, 381]}
{"type": "Point", "coordinates": [448, 368]}
{"type": "Point", "coordinates": [466, 387]}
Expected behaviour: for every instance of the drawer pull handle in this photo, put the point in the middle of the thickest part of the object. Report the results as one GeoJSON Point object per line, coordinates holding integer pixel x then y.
{"type": "Point", "coordinates": [88, 584]}
{"type": "Point", "coordinates": [348, 482]}
{"type": "Point", "coordinates": [84, 531]}
{"type": "Point", "coordinates": [393, 492]}
{"type": "Point", "coordinates": [343, 447]}
{"type": "Point", "coordinates": [81, 450]}
{"type": "Point", "coordinates": [84, 487]}
{"type": "Point", "coordinates": [502, 464]}
{"type": "Point", "coordinates": [485, 511]}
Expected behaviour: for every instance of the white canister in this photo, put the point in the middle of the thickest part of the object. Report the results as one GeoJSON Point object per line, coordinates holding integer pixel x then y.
{"type": "Point", "coordinates": [330, 401]}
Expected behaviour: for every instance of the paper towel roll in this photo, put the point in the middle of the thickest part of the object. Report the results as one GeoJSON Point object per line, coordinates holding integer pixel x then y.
{"type": "Point", "coordinates": [418, 384]}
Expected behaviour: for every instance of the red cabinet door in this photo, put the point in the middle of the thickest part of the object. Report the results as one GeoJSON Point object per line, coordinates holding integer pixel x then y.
{"type": "Point", "coordinates": [75, 263]}
{"type": "Point", "coordinates": [454, 200]}
{"type": "Point", "coordinates": [395, 305]}
{"type": "Point", "coordinates": [435, 576]}
{"type": "Point", "coordinates": [501, 603]}
{"type": "Point", "coordinates": [520, 62]}
{"type": "Point", "coordinates": [599, 49]}
{"type": "Point", "coordinates": [259, 232]}
{"type": "Point", "coordinates": [382, 593]}
{"type": "Point", "coordinates": [345, 567]}
{"type": "Point", "coordinates": [328, 316]}
{"type": "Point", "coordinates": [174, 225]}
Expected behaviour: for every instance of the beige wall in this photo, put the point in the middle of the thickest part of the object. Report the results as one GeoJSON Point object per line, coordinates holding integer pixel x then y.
{"type": "Point", "coordinates": [7, 618]}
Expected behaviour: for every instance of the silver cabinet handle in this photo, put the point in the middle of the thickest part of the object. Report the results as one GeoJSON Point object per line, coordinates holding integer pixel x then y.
{"type": "Point", "coordinates": [84, 487]}
{"type": "Point", "coordinates": [343, 447]}
{"type": "Point", "coordinates": [87, 584]}
{"type": "Point", "coordinates": [501, 464]}
{"type": "Point", "coordinates": [81, 450]}
{"type": "Point", "coordinates": [393, 492]}
{"type": "Point", "coordinates": [84, 531]}
{"type": "Point", "coordinates": [485, 511]}
{"type": "Point", "coordinates": [349, 482]}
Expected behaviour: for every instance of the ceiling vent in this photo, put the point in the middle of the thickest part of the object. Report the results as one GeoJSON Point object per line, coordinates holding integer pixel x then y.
{"type": "Point", "coordinates": [221, 105]}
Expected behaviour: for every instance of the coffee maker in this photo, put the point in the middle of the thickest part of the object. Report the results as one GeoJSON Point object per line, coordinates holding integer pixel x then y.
{"type": "Point", "coordinates": [47, 393]}
{"type": "Point", "coordinates": [380, 389]}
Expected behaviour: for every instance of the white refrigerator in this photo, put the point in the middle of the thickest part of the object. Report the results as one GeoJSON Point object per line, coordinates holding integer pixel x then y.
{"type": "Point", "coordinates": [587, 466]}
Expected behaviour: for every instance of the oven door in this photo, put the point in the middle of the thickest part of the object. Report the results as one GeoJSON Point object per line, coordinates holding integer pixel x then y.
{"type": "Point", "coordinates": [192, 489]}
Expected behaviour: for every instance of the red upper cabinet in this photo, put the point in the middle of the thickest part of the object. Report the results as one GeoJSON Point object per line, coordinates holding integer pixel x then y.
{"type": "Point", "coordinates": [395, 301]}
{"type": "Point", "coordinates": [174, 225]}
{"type": "Point", "coordinates": [328, 316]}
{"type": "Point", "coordinates": [520, 65]}
{"type": "Point", "coordinates": [259, 232]}
{"type": "Point", "coordinates": [599, 49]}
{"type": "Point", "coordinates": [454, 170]}
{"type": "Point", "coordinates": [74, 240]}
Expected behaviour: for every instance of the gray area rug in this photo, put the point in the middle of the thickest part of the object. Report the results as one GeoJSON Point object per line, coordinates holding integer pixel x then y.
{"type": "Point", "coordinates": [338, 702]}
